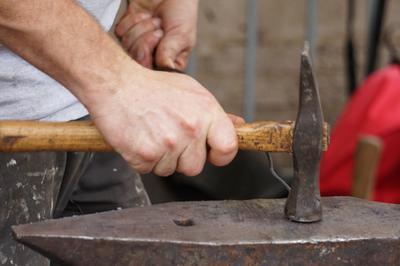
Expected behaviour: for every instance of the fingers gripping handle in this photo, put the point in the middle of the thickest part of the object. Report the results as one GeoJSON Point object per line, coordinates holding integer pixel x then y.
{"type": "Point", "coordinates": [25, 136]}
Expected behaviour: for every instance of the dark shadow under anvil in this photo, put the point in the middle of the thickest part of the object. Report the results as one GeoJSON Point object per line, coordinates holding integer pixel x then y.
{"type": "Point", "coordinates": [254, 232]}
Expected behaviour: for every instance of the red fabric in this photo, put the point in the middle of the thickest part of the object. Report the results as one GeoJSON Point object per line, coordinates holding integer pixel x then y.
{"type": "Point", "coordinates": [373, 110]}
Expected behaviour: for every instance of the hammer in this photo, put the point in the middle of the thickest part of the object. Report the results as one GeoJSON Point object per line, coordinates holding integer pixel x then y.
{"type": "Point", "coordinates": [306, 139]}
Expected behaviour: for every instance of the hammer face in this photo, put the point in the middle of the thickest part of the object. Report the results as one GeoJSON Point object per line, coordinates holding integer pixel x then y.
{"type": "Point", "coordinates": [303, 203]}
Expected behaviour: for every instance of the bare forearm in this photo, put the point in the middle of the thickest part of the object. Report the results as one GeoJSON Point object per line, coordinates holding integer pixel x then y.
{"type": "Point", "coordinates": [157, 121]}
{"type": "Point", "coordinates": [61, 39]}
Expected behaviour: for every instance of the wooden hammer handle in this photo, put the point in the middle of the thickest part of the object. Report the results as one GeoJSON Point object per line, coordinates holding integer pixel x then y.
{"type": "Point", "coordinates": [366, 162]}
{"type": "Point", "coordinates": [25, 136]}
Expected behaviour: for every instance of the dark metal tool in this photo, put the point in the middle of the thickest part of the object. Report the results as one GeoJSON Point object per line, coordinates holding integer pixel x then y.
{"type": "Point", "coordinates": [255, 232]}
{"type": "Point", "coordinates": [303, 203]}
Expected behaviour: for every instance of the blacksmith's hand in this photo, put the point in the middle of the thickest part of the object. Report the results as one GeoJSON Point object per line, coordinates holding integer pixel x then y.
{"type": "Point", "coordinates": [159, 33]}
{"type": "Point", "coordinates": [163, 122]}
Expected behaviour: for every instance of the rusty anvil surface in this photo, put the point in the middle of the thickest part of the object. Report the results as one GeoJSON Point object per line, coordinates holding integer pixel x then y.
{"type": "Point", "coordinates": [254, 232]}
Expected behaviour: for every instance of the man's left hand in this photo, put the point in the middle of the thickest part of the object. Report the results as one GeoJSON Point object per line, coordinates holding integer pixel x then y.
{"type": "Point", "coordinates": [159, 33]}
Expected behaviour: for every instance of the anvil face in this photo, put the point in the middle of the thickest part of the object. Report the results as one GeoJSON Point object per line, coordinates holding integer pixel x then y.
{"type": "Point", "coordinates": [253, 232]}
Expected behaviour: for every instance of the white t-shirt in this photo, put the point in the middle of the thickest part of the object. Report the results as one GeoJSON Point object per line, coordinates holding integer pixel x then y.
{"type": "Point", "coordinates": [28, 93]}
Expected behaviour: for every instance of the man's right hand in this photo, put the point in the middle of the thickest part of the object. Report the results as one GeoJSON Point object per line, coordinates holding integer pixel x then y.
{"type": "Point", "coordinates": [162, 122]}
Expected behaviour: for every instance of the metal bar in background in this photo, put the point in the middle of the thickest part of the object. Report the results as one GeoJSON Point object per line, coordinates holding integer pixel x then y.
{"type": "Point", "coordinates": [376, 10]}
{"type": "Point", "coordinates": [351, 61]}
{"type": "Point", "coordinates": [311, 26]}
{"type": "Point", "coordinates": [250, 60]}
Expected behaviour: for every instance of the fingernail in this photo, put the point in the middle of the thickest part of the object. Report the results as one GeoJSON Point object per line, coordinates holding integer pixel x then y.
{"type": "Point", "coordinates": [157, 22]}
{"type": "Point", "coordinates": [171, 64]}
{"type": "Point", "coordinates": [158, 33]}
{"type": "Point", "coordinates": [140, 55]}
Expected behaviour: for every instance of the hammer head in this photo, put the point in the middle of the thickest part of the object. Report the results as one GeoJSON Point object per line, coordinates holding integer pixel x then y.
{"type": "Point", "coordinates": [303, 203]}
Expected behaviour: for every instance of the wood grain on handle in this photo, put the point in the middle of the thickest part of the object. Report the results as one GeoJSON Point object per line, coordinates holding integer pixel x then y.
{"type": "Point", "coordinates": [18, 136]}
{"type": "Point", "coordinates": [271, 136]}
{"type": "Point", "coordinates": [24, 136]}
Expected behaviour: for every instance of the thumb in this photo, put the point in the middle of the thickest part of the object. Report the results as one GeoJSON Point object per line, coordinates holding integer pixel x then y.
{"type": "Point", "coordinates": [172, 52]}
{"type": "Point", "coordinates": [236, 120]}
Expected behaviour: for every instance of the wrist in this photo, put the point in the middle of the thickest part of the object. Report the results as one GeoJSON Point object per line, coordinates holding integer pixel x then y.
{"type": "Point", "coordinates": [104, 84]}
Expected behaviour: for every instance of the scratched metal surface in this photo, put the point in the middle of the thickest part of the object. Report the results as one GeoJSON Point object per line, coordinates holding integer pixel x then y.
{"type": "Point", "coordinates": [29, 184]}
{"type": "Point", "coordinates": [303, 204]}
{"type": "Point", "coordinates": [352, 232]}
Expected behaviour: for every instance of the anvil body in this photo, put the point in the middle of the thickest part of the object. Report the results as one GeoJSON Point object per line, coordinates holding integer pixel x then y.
{"type": "Point", "coordinates": [254, 232]}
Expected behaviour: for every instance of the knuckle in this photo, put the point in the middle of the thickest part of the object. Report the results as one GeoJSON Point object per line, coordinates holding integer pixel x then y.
{"type": "Point", "coordinates": [147, 154]}
{"type": "Point", "coordinates": [150, 24]}
{"type": "Point", "coordinates": [188, 39]}
{"type": "Point", "coordinates": [210, 101]}
{"type": "Point", "coordinates": [170, 142]}
{"type": "Point", "coordinates": [164, 172]}
{"type": "Point", "coordinates": [207, 100]}
{"type": "Point", "coordinates": [191, 127]}
{"type": "Point", "coordinates": [142, 169]}
{"type": "Point", "coordinates": [129, 157]}
{"type": "Point", "coordinates": [138, 15]}
{"type": "Point", "coordinates": [193, 170]}
{"type": "Point", "coordinates": [228, 147]}
{"type": "Point", "coordinates": [140, 24]}
{"type": "Point", "coordinates": [196, 171]}
{"type": "Point", "coordinates": [139, 166]}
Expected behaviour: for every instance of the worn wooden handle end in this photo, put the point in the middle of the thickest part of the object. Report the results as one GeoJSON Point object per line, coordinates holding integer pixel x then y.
{"type": "Point", "coordinates": [26, 136]}
{"type": "Point", "coordinates": [271, 136]}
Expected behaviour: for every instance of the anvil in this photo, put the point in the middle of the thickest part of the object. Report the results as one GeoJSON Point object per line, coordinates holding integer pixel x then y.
{"type": "Point", "coordinates": [254, 232]}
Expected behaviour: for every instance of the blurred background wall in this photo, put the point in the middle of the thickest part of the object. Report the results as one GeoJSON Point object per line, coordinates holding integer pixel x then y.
{"type": "Point", "coordinates": [220, 54]}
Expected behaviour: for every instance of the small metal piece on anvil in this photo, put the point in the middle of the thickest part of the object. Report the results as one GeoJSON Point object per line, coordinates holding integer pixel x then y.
{"type": "Point", "coordinates": [303, 203]}
{"type": "Point", "coordinates": [184, 222]}
{"type": "Point", "coordinates": [254, 232]}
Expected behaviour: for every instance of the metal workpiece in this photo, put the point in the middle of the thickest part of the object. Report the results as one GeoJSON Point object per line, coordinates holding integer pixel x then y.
{"type": "Point", "coordinates": [303, 203]}
{"type": "Point", "coordinates": [254, 232]}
